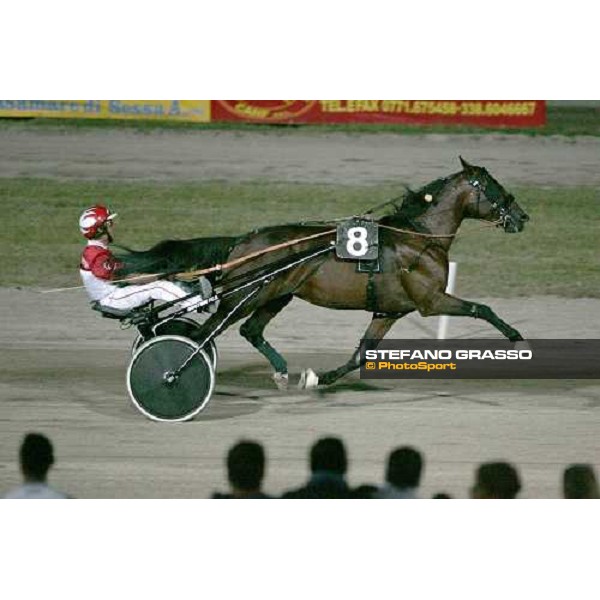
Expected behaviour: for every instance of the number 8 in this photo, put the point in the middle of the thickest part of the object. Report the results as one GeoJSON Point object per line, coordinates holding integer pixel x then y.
{"type": "Point", "coordinates": [357, 236]}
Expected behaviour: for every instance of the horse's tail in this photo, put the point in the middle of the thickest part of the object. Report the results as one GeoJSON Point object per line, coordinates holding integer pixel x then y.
{"type": "Point", "coordinates": [176, 256]}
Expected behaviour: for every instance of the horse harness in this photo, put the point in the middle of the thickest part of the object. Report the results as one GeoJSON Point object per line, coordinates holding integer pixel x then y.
{"type": "Point", "coordinates": [503, 210]}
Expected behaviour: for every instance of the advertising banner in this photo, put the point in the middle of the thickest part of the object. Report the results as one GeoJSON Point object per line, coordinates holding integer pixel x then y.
{"type": "Point", "coordinates": [491, 113]}
{"type": "Point", "coordinates": [172, 110]}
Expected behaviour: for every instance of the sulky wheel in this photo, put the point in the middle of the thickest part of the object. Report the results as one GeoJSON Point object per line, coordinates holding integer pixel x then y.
{"type": "Point", "coordinates": [185, 327]}
{"type": "Point", "coordinates": [170, 378]}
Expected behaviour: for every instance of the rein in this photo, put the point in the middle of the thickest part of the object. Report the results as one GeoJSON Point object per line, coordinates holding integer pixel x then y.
{"type": "Point", "coordinates": [243, 259]}
{"type": "Point", "coordinates": [228, 265]}
{"type": "Point", "coordinates": [427, 235]}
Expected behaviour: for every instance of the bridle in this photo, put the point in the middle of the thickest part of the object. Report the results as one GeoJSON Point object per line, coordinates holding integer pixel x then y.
{"type": "Point", "coordinates": [502, 210]}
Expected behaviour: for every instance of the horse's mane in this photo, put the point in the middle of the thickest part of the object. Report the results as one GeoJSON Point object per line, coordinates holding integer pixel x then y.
{"type": "Point", "coordinates": [414, 204]}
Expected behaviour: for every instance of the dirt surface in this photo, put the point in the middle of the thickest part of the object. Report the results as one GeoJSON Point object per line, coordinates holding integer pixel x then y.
{"type": "Point", "coordinates": [333, 157]}
{"type": "Point", "coordinates": [63, 372]}
{"type": "Point", "coordinates": [63, 367]}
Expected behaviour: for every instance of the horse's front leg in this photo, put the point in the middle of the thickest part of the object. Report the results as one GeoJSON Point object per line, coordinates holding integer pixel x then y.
{"type": "Point", "coordinates": [378, 328]}
{"type": "Point", "coordinates": [441, 303]}
{"type": "Point", "coordinates": [253, 329]}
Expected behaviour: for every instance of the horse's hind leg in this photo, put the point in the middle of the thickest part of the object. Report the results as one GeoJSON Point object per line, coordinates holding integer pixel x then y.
{"type": "Point", "coordinates": [445, 304]}
{"type": "Point", "coordinates": [378, 328]}
{"type": "Point", "coordinates": [252, 329]}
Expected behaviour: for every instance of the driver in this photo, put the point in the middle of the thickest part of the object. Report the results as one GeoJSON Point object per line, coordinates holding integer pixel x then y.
{"type": "Point", "coordinates": [98, 269]}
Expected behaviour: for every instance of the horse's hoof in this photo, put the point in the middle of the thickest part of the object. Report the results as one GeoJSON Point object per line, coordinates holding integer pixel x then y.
{"type": "Point", "coordinates": [308, 380]}
{"type": "Point", "coordinates": [281, 380]}
{"type": "Point", "coordinates": [522, 345]}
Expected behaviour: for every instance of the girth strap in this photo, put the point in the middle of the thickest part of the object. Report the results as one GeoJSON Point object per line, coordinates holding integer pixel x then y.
{"type": "Point", "coordinates": [371, 294]}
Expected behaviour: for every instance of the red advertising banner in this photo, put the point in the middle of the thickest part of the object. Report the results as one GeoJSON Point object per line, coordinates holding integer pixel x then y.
{"type": "Point", "coordinates": [486, 113]}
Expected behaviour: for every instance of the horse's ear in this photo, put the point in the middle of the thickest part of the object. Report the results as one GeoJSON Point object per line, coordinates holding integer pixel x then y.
{"type": "Point", "coordinates": [465, 165]}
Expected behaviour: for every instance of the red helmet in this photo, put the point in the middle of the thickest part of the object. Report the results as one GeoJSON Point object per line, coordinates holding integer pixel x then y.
{"type": "Point", "coordinates": [93, 221]}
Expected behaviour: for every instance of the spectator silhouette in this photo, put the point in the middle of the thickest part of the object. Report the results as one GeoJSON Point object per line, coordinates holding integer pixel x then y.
{"type": "Point", "coordinates": [36, 456]}
{"type": "Point", "coordinates": [245, 471]}
{"type": "Point", "coordinates": [365, 491]}
{"type": "Point", "coordinates": [328, 465]}
{"type": "Point", "coordinates": [579, 482]}
{"type": "Point", "coordinates": [496, 480]}
{"type": "Point", "coordinates": [403, 475]}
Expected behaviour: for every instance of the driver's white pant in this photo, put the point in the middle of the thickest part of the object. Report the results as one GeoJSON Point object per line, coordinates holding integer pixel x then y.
{"type": "Point", "coordinates": [132, 296]}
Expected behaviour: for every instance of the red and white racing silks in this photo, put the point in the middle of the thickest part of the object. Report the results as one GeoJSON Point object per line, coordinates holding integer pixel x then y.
{"type": "Point", "coordinates": [98, 268]}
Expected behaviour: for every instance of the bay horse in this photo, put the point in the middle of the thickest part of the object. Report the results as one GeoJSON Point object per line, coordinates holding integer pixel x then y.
{"type": "Point", "coordinates": [414, 242]}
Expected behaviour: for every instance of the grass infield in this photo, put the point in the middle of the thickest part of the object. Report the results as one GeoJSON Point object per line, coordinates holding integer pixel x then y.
{"type": "Point", "coordinates": [40, 243]}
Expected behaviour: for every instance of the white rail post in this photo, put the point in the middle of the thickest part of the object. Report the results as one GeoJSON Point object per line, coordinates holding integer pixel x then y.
{"type": "Point", "coordinates": [444, 319]}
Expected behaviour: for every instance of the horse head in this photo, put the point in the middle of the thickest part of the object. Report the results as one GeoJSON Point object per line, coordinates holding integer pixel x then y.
{"type": "Point", "coordinates": [489, 201]}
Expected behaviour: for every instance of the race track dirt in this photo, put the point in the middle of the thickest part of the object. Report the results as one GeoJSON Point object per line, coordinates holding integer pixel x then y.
{"type": "Point", "coordinates": [304, 157]}
{"type": "Point", "coordinates": [63, 367]}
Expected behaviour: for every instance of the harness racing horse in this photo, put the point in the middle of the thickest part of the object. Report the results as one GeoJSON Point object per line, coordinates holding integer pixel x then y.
{"type": "Point", "coordinates": [413, 266]}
